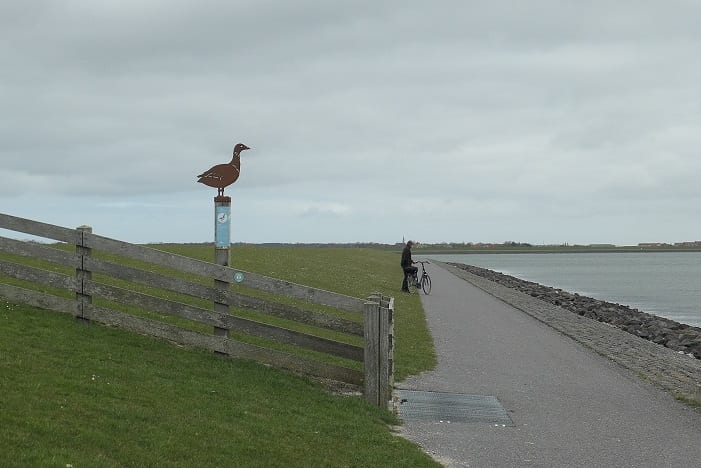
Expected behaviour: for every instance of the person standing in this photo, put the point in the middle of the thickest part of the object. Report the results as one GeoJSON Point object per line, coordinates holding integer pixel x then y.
{"type": "Point", "coordinates": [407, 265]}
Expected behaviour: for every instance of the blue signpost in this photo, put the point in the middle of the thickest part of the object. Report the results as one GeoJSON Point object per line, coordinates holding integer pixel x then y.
{"type": "Point", "coordinates": [222, 244]}
{"type": "Point", "coordinates": [222, 224]}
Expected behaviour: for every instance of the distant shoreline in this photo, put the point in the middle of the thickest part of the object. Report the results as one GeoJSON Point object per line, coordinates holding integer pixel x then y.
{"type": "Point", "coordinates": [541, 250]}
{"type": "Point", "coordinates": [433, 249]}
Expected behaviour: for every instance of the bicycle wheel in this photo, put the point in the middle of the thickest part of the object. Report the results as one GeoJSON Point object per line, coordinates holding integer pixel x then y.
{"type": "Point", "coordinates": [426, 284]}
{"type": "Point", "coordinates": [411, 284]}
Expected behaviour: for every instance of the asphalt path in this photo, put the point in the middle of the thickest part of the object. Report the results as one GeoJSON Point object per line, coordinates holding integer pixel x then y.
{"type": "Point", "coordinates": [570, 407]}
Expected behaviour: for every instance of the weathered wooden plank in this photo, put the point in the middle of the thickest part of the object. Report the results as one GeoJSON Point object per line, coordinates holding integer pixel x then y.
{"type": "Point", "coordinates": [372, 353]}
{"type": "Point", "coordinates": [223, 273]}
{"type": "Point", "coordinates": [35, 228]}
{"type": "Point", "coordinates": [390, 356]}
{"type": "Point", "coordinates": [152, 328]}
{"type": "Point", "coordinates": [289, 362]}
{"type": "Point", "coordinates": [223, 345]}
{"type": "Point", "coordinates": [159, 257]}
{"type": "Point", "coordinates": [224, 321]}
{"type": "Point", "coordinates": [42, 252]}
{"type": "Point", "coordinates": [153, 304]}
{"type": "Point", "coordinates": [37, 275]}
{"type": "Point", "coordinates": [82, 274]}
{"type": "Point", "coordinates": [297, 291]}
{"type": "Point", "coordinates": [303, 340]}
{"type": "Point", "coordinates": [275, 309]}
{"type": "Point", "coordinates": [37, 299]}
{"type": "Point", "coordinates": [384, 372]}
{"type": "Point", "coordinates": [157, 280]}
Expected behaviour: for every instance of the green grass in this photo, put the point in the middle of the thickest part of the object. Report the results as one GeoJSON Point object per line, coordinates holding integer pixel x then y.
{"type": "Point", "coordinates": [95, 396]}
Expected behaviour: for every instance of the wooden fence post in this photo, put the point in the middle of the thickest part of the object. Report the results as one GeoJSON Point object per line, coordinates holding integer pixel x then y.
{"type": "Point", "coordinates": [81, 274]}
{"type": "Point", "coordinates": [372, 351]}
{"type": "Point", "coordinates": [391, 345]}
{"type": "Point", "coordinates": [386, 339]}
{"type": "Point", "coordinates": [379, 349]}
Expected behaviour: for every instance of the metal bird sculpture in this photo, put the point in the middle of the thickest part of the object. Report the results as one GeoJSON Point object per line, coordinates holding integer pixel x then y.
{"type": "Point", "coordinates": [223, 175]}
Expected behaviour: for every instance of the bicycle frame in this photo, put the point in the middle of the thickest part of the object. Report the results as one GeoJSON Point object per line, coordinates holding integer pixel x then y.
{"type": "Point", "coordinates": [423, 281]}
{"type": "Point", "coordinates": [423, 269]}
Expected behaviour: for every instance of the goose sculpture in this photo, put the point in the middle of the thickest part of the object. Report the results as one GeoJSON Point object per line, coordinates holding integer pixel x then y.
{"type": "Point", "coordinates": [223, 175]}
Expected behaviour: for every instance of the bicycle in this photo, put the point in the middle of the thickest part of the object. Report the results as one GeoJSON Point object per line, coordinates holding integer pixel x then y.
{"type": "Point", "coordinates": [424, 283]}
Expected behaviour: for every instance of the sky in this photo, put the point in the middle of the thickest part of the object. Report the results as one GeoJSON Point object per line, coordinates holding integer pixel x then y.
{"type": "Point", "coordinates": [547, 121]}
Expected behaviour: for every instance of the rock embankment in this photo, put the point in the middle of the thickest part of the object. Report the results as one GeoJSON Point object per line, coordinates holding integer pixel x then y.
{"type": "Point", "coordinates": [674, 335]}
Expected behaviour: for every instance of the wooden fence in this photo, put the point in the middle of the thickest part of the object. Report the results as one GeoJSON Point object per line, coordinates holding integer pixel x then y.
{"type": "Point", "coordinates": [43, 276]}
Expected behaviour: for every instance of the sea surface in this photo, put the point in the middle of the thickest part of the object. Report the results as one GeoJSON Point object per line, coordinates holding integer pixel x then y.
{"type": "Point", "coordinates": [667, 284]}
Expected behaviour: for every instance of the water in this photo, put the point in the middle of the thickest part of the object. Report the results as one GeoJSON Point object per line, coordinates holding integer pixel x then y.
{"type": "Point", "coordinates": [665, 284]}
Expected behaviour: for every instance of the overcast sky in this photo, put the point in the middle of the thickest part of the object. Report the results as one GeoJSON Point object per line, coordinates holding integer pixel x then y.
{"type": "Point", "coordinates": [533, 121]}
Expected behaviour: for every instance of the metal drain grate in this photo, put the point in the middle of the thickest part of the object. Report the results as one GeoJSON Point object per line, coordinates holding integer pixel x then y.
{"type": "Point", "coordinates": [450, 407]}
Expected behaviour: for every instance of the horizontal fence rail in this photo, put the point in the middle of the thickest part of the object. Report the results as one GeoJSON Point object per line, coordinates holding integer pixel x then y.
{"type": "Point", "coordinates": [53, 277]}
{"type": "Point", "coordinates": [223, 273]}
{"type": "Point", "coordinates": [36, 228]}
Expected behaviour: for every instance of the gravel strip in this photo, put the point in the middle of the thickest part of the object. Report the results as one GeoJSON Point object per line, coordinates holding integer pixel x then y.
{"type": "Point", "coordinates": [674, 371]}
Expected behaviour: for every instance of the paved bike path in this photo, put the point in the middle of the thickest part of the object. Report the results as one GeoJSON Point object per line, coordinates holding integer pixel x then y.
{"type": "Point", "coordinates": [570, 407]}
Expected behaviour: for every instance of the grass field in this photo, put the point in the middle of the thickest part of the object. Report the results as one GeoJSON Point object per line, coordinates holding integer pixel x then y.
{"type": "Point", "coordinates": [94, 396]}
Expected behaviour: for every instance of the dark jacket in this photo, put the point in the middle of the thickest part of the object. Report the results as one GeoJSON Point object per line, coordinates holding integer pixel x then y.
{"type": "Point", "coordinates": [406, 257]}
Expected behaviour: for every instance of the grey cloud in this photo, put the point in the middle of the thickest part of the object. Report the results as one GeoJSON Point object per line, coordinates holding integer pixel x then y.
{"type": "Point", "coordinates": [485, 110]}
